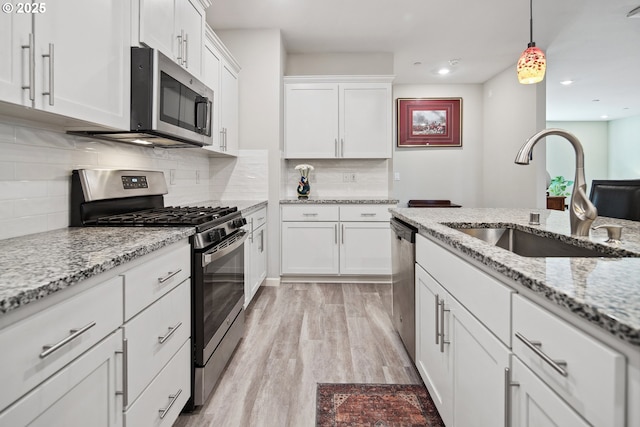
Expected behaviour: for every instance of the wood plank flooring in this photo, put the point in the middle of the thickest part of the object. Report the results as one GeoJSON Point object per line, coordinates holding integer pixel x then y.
{"type": "Point", "coordinates": [296, 336]}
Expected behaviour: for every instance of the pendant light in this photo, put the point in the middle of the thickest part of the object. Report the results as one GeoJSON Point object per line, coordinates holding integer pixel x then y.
{"type": "Point", "coordinates": [532, 63]}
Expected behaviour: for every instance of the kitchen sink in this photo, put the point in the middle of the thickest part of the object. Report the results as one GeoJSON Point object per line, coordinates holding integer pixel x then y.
{"type": "Point", "coordinates": [531, 245]}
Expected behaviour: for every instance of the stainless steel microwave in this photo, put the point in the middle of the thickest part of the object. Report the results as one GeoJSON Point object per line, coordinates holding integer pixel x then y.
{"type": "Point", "coordinates": [169, 107]}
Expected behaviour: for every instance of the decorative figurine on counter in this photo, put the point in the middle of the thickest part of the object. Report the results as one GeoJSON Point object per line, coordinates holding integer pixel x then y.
{"type": "Point", "coordinates": [304, 188]}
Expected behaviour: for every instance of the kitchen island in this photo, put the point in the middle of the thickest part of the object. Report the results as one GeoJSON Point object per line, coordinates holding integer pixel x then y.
{"type": "Point", "coordinates": [559, 334]}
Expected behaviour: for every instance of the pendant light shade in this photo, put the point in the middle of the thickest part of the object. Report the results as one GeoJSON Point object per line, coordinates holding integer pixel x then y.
{"type": "Point", "coordinates": [532, 63]}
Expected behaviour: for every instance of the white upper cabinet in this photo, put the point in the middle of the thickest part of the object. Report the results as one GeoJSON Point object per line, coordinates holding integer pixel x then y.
{"type": "Point", "coordinates": [176, 28]}
{"type": "Point", "coordinates": [220, 73]}
{"type": "Point", "coordinates": [71, 59]}
{"type": "Point", "coordinates": [338, 117]}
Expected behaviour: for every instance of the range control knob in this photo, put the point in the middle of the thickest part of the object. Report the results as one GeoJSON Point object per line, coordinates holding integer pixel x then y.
{"type": "Point", "coordinates": [239, 222]}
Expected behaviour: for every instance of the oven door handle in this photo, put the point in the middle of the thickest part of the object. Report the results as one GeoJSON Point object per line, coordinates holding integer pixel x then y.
{"type": "Point", "coordinates": [215, 253]}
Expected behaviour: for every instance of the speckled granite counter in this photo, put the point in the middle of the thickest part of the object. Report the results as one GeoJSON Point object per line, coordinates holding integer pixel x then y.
{"type": "Point", "coordinates": [341, 200]}
{"type": "Point", "coordinates": [604, 291]}
{"type": "Point", "coordinates": [37, 265]}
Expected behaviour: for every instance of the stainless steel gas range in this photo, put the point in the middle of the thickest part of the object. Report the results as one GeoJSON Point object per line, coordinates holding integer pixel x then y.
{"type": "Point", "coordinates": [135, 198]}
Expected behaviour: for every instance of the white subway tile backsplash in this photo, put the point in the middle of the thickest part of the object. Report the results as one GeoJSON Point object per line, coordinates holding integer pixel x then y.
{"type": "Point", "coordinates": [36, 165]}
{"type": "Point", "coordinates": [326, 179]}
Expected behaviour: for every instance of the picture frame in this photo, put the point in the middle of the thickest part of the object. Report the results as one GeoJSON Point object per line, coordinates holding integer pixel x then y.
{"type": "Point", "coordinates": [429, 122]}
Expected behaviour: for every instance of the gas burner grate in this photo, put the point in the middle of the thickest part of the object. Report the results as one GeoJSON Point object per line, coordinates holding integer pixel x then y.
{"type": "Point", "coordinates": [169, 216]}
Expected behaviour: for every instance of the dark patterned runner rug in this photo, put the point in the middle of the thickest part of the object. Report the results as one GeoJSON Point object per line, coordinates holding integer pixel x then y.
{"type": "Point", "coordinates": [375, 405]}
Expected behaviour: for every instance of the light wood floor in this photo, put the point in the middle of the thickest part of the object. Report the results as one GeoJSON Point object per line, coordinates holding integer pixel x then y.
{"type": "Point", "coordinates": [298, 335]}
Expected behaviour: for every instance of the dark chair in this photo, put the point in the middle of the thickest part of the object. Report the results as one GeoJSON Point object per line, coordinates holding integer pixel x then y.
{"type": "Point", "coordinates": [616, 198]}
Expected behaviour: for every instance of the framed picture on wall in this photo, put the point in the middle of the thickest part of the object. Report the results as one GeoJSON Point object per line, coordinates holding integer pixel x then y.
{"type": "Point", "coordinates": [429, 122]}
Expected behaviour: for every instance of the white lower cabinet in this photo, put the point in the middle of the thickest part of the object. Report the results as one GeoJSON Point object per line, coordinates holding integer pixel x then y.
{"type": "Point", "coordinates": [154, 336]}
{"type": "Point", "coordinates": [362, 248]}
{"type": "Point", "coordinates": [310, 248]}
{"type": "Point", "coordinates": [336, 240]}
{"type": "Point", "coordinates": [460, 361]}
{"type": "Point", "coordinates": [73, 363]}
{"type": "Point", "coordinates": [470, 328]}
{"type": "Point", "coordinates": [534, 404]}
{"type": "Point", "coordinates": [255, 254]}
{"type": "Point", "coordinates": [84, 393]}
{"type": "Point", "coordinates": [166, 395]}
{"type": "Point", "coordinates": [587, 374]}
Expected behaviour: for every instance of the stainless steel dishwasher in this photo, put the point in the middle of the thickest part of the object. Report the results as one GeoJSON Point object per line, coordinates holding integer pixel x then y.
{"type": "Point", "coordinates": [403, 258]}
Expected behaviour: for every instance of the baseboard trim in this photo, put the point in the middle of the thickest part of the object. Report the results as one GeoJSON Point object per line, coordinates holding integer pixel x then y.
{"type": "Point", "coordinates": [374, 279]}
{"type": "Point", "coordinates": [271, 281]}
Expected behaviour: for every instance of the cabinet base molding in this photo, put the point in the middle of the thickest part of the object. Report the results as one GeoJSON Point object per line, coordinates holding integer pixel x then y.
{"type": "Point", "coordinates": [374, 279]}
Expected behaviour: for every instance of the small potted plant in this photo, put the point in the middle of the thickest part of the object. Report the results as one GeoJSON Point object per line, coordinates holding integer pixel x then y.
{"type": "Point", "coordinates": [560, 187]}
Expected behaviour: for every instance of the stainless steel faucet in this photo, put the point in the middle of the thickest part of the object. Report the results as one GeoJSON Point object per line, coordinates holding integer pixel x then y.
{"type": "Point", "coordinates": [582, 213]}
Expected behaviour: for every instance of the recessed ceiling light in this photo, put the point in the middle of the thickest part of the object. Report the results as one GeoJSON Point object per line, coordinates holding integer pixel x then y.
{"type": "Point", "coordinates": [604, 116]}
{"type": "Point", "coordinates": [566, 82]}
{"type": "Point", "coordinates": [444, 71]}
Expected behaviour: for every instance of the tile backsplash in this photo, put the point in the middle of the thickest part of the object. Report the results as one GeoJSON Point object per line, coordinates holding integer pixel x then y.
{"type": "Point", "coordinates": [341, 178]}
{"type": "Point", "coordinates": [36, 165]}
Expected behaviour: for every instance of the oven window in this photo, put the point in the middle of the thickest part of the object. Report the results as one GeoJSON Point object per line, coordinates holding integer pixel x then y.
{"type": "Point", "coordinates": [177, 103]}
{"type": "Point", "coordinates": [222, 288]}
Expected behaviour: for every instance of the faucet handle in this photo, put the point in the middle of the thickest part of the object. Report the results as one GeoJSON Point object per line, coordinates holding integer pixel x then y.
{"type": "Point", "coordinates": [614, 232]}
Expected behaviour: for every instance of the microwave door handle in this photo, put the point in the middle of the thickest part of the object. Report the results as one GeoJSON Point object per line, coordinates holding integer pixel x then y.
{"type": "Point", "coordinates": [202, 107]}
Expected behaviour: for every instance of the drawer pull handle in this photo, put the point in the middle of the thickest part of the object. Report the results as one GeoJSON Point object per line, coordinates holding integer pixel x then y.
{"type": "Point", "coordinates": [169, 275]}
{"type": "Point", "coordinates": [442, 340]}
{"type": "Point", "coordinates": [75, 333]}
{"type": "Point", "coordinates": [260, 219]}
{"type": "Point", "coordinates": [557, 365]}
{"type": "Point", "coordinates": [437, 309]}
{"type": "Point", "coordinates": [309, 214]}
{"type": "Point", "coordinates": [125, 373]}
{"type": "Point", "coordinates": [172, 330]}
{"type": "Point", "coordinates": [507, 396]}
{"type": "Point", "coordinates": [367, 214]}
{"type": "Point", "coordinates": [173, 398]}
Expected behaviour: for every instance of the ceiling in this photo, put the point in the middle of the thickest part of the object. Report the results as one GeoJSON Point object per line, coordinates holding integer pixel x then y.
{"type": "Point", "coordinates": [589, 41]}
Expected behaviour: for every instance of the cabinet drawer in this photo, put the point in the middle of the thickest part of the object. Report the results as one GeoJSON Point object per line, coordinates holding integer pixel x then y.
{"type": "Point", "coordinates": [162, 401]}
{"type": "Point", "coordinates": [167, 320]}
{"type": "Point", "coordinates": [71, 326]}
{"type": "Point", "coordinates": [162, 271]}
{"type": "Point", "coordinates": [487, 298]}
{"type": "Point", "coordinates": [257, 219]}
{"type": "Point", "coordinates": [81, 394]}
{"type": "Point", "coordinates": [310, 213]}
{"type": "Point", "coordinates": [594, 379]}
{"type": "Point", "coordinates": [365, 213]}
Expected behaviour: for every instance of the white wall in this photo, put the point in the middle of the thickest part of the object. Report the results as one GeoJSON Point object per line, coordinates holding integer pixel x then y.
{"type": "Point", "coordinates": [339, 64]}
{"type": "Point", "coordinates": [624, 148]}
{"type": "Point", "coordinates": [440, 172]}
{"type": "Point", "coordinates": [36, 165]}
{"type": "Point", "coordinates": [561, 158]}
{"type": "Point", "coordinates": [260, 55]}
{"type": "Point", "coordinates": [512, 113]}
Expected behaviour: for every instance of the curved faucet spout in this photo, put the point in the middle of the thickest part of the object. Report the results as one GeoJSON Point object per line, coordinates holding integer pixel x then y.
{"type": "Point", "coordinates": [582, 213]}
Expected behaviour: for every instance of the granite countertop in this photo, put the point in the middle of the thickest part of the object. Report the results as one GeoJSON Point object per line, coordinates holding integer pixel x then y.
{"type": "Point", "coordinates": [245, 206]}
{"type": "Point", "coordinates": [603, 291]}
{"type": "Point", "coordinates": [340, 200]}
{"type": "Point", "coordinates": [37, 265]}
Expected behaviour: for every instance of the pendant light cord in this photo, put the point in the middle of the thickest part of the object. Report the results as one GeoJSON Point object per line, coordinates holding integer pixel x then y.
{"type": "Point", "coordinates": [531, 21]}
